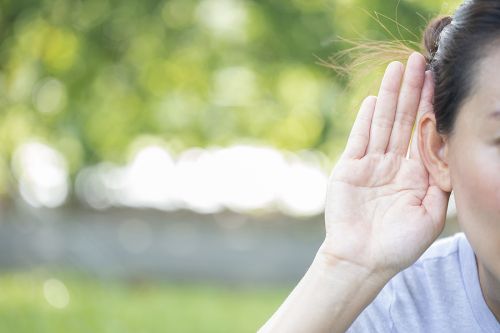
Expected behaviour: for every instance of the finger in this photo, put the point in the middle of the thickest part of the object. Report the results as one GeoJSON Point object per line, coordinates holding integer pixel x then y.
{"type": "Point", "coordinates": [385, 108]}
{"type": "Point", "coordinates": [425, 105]}
{"type": "Point", "coordinates": [360, 132]}
{"type": "Point", "coordinates": [408, 101]}
{"type": "Point", "coordinates": [436, 203]}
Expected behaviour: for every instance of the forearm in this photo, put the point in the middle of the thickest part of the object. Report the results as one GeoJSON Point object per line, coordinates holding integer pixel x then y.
{"type": "Point", "coordinates": [328, 298]}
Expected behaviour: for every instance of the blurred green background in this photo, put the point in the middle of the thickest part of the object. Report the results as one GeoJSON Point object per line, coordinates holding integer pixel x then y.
{"type": "Point", "coordinates": [92, 77]}
{"type": "Point", "coordinates": [97, 80]}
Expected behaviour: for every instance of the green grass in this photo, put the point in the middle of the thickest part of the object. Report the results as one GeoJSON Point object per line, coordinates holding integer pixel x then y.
{"type": "Point", "coordinates": [110, 306]}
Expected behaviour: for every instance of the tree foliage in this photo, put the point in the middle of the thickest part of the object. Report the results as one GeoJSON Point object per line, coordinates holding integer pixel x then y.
{"type": "Point", "coordinates": [91, 77]}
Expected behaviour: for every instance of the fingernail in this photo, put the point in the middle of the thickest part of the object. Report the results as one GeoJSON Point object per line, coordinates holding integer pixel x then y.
{"type": "Point", "coordinates": [397, 64]}
{"type": "Point", "coordinates": [415, 54]}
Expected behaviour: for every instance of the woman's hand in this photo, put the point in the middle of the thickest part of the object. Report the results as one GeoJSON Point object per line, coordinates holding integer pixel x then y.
{"type": "Point", "coordinates": [382, 208]}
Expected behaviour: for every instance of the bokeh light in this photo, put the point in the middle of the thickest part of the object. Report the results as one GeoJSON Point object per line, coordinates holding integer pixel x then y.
{"type": "Point", "coordinates": [56, 293]}
{"type": "Point", "coordinates": [42, 174]}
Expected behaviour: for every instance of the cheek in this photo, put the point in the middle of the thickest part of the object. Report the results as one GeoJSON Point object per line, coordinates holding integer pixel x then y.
{"type": "Point", "coordinates": [475, 178]}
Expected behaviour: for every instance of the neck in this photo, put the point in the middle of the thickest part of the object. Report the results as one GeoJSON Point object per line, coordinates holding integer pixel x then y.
{"type": "Point", "coordinates": [490, 287]}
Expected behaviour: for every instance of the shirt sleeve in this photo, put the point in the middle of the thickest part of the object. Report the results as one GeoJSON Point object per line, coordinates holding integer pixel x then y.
{"type": "Point", "coordinates": [376, 316]}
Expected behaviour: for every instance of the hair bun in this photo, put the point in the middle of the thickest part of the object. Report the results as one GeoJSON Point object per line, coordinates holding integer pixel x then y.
{"type": "Point", "coordinates": [432, 33]}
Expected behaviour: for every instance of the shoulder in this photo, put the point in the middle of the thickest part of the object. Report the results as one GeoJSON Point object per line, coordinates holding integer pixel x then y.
{"type": "Point", "coordinates": [427, 289]}
{"type": "Point", "coordinates": [438, 270]}
{"type": "Point", "coordinates": [442, 248]}
{"type": "Point", "coordinates": [431, 289]}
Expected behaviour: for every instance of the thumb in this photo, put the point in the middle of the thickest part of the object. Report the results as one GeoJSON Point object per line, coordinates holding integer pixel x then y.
{"type": "Point", "coordinates": [436, 204]}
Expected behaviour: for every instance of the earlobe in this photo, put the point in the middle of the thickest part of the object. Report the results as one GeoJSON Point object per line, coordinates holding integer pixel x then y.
{"type": "Point", "coordinates": [433, 149]}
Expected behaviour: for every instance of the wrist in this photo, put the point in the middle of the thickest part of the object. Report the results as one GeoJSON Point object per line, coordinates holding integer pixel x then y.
{"type": "Point", "coordinates": [327, 262]}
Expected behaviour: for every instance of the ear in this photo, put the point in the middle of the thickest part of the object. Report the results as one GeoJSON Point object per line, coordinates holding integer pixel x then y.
{"type": "Point", "coordinates": [433, 149]}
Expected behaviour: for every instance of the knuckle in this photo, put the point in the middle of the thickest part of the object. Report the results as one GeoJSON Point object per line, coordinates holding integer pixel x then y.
{"type": "Point", "coordinates": [383, 122]}
{"type": "Point", "coordinates": [414, 82]}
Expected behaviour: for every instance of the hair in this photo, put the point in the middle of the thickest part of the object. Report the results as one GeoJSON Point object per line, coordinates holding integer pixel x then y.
{"type": "Point", "coordinates": [454, 47]}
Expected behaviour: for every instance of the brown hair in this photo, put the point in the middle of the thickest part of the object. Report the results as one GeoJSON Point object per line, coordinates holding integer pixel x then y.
{"type": "Point", "coordinates": [432, 34]}
{"type": "Point", "coordinates": [454, 47]}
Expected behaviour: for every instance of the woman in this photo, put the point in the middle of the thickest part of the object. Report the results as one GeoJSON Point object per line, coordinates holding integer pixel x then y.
{"type": "Point", "coordinates": [376, 270]}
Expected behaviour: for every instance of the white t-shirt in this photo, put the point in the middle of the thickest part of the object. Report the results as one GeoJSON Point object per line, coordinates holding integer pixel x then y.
{"type": "Point", "coordinates": [440, 292]}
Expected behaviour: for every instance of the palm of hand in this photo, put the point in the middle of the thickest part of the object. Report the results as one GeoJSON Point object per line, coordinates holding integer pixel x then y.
{"type": "Point", "coordinates": [382, 209]}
